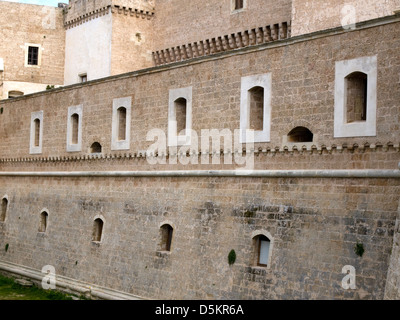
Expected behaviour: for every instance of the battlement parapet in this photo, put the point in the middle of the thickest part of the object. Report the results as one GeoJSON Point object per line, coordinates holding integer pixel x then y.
{"type": "Point", "coordinates": [228, 42]}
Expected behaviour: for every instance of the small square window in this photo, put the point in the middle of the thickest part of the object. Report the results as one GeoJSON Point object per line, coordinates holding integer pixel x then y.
{"type": "Point", "coordinates": [33, 56]}
{"type": "Point", "coordinates": [238, 5]}
{"type": "Point", "coordinates": [83, 77]}
{"type": "Point", "coordinates": [255, 108]}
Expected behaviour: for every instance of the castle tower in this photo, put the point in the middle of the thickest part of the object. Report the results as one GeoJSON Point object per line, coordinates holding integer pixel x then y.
{"type": "Point", "coordinates": [106, 37]}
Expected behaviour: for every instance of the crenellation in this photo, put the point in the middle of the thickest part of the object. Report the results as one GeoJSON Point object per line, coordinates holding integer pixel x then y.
{"type": "Point", "coordinates": [138, 210]}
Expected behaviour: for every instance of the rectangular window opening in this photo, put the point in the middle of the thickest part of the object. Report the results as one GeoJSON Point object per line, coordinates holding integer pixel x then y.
{"type": "Point", "coordinates": [121, 123]}
{"type": "Point", "coordinates": [263, 252]}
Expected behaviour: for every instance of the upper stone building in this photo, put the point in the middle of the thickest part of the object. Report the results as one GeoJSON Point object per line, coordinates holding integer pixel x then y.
{"type": "Point", "coordinates": [91, 39]}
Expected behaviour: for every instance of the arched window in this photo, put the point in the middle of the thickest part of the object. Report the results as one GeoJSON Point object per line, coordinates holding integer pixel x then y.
{"type": "Point", "coordinates": [4, 207]}
{"type": "Point", "coordinates": [121, 113]}
{"type": "Point", "coordinates": [356, 97]}
{"type": "Point", "coordinates": [95, 147]}
{"type": "Point", "coordinates": [121, 123]}
{"type": "Point", "coordinates": [300, 134]}
{"type": "Point", "coordinates": [97, 230]}
{"type": "Point", "coordinates": [166, 237]}
{"type": "Point", "coordinates": [37, 133]}
{"type": "Point", "coordinates": [261, 250]}
{"type": "Point", "coordinates": [256, 100]}
{"type": "Point", "coordinates": [180, 114]}
{"type": "Point", "coordinates": [74, 128]}
{"type": "Point", "coordinates": [43, 221]}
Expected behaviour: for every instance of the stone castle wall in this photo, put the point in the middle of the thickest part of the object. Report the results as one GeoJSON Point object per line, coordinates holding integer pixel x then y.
{"type": "Point", "coordinates": [314, 223]}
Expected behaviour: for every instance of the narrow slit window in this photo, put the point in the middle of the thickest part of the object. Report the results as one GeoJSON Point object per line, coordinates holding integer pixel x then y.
{"type": "Point", "coordinates": [43, 221]}
{"type": "Point", "coordinates": [180, 115]}
{"type": "Point", "coordinates": [33, 56]}
{"type": "Point", "coordinates": [14, 94]}
{"type": "Point", "coordinates": [356, 97]}
{"type": "Point", "coordinates": [166, 237]}
{"type": "Point", "coordinates": [74, 128]}
{"type": "Point", "coordinates": [97, 230]}
{"type": "Point", "coordinates": [121, 123]}
{"type": "Point", "coordinates": [256, 100]}
{"type": "Point", "coordinates": [356, 91]}
{"type": "Point", "coordinates": [83, 78]}
{"type": "Point", "coordinates": [4, 207]}
{"type": "Point", "coordinates": [37, 132]}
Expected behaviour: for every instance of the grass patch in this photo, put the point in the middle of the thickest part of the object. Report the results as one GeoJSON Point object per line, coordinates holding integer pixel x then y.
{"type": "Point", "coordinates": [10, 290]}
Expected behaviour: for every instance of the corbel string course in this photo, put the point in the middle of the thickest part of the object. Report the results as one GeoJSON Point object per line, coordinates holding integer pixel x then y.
{"type": "Point", "coordinates": [85, 17]}
{"type": "Point", "coordinates": [255, 36]}
{"type": "Point", "coordinates": [282, 150]}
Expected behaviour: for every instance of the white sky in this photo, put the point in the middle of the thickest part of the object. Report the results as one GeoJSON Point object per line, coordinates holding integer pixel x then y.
{"type": "Point", "coordinates": [53, 3]}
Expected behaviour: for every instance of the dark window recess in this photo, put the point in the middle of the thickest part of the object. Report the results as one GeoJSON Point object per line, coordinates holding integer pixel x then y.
{"type": "Point", "coordinates": [256, 97]}
{"type": "Point", "coordinates": [238, 4]}
{"type": "Point", "coordinates": [43, 221]}
{"type": "Point", "coordinates": [95, 148]}
{"type": "Point", "coordinates": [121, 112]}
{"type": "Point", "coordinates": [356, 97]}
{"type": "Point", "coordinates": [166, 237]}
{"type": "Point", "coordinates": [33, 56]}
{"type": "Point", "coordinates": [37, 132]}
{"type": "Point", "coordinates": [180, 115]}
{"type": "Point", "coordinates": [261, 245]}
{"type": "Point", "coordinates": [263, 250]}
{"type": "Point", "coordinates": [97, 230]}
